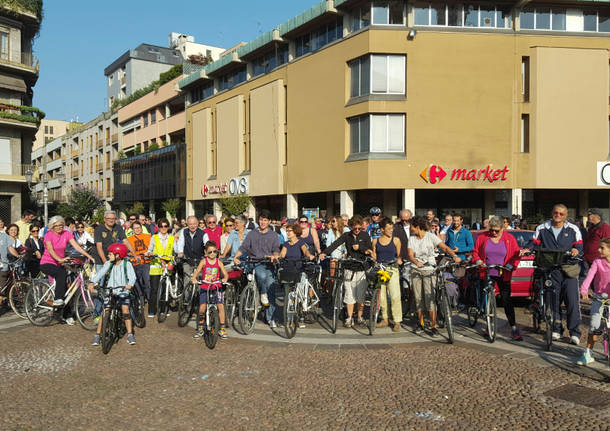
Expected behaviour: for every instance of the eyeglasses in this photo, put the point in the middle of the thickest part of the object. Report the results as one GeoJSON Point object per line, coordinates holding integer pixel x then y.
{"type": "Point", "coordinates": [212, 251]}
{"type": "Point", "coordinates": [559, 213]}
{"type": "Point", "coordinates": [132, 219]}
{"type": "Point", "coordinates": [164, 225]}
{"type": "Point", "coordinates": [211, 222]}
{"type": "Point", "coordinates": [34, 230]}
{"type": "Point", "coordinates": [81, 227]}
{"type": "Point", "coordinates": [356, 228]}
{"type": "Point", "coordinates": [302, 221]}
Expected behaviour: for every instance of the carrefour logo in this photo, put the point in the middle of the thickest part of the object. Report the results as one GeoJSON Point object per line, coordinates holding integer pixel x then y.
{"type": "Point", "coordinates": [434, 174]}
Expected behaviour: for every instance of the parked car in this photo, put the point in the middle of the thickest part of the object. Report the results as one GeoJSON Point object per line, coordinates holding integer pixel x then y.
{"type": "Point", "coordinates": [523, 275]}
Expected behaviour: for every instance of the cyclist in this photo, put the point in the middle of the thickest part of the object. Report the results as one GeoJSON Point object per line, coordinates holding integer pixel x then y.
{"type": "Point", "coordinates": [358, 245]}
{"type": "Point", "coordinates": [260, 243]}
{"type": "Point", "coordinates": [422, 247]}
{"type": "Point", "coordinates": [213, 231]}
{"type": "Point", "coordinates": [294, 250]}
{"type": "Point", "coordinates": [35, 245]}
{"type": "Point", "coordinates": [309, 235]}
{"type": "Point", "coordinates": [386, 249]}
{"type": "Point", "coordinates": [54, 256]}
{"type": "Point", "coordinates": [121, 277]}
{"type": "Point", "coordinates": [560, 235]}
{"type": "Point", "coordinates": [236, 237]}
{"type": "Point", "coordinates": [373, 229]}
{"type": "Point", "coordinates": [213, 271]}
{"type": "Point", "coordinates": [140, 241]}
{"type": "Point", "coordinates": [599, 275]}
{"type": "Point", "coordinates": [498, 247]}
{"type": "Point", "coordinates": [459, 239]}
{"type": "Point", "coordinates": [191, 245]}
{"type": "Point", "coordinates": [162, 244]}
{"type": "Point", "coordinates": [5, 250]}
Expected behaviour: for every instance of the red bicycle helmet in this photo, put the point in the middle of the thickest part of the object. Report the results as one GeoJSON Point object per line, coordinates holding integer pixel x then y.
{"type": "Point", "coordinates": [118, 248]}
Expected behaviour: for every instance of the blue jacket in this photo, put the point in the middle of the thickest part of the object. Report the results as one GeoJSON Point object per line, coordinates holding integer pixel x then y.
{"type": "Point", "coordinates": [462, 240]}
{"type": "Point", "coordinates": [569, 237]}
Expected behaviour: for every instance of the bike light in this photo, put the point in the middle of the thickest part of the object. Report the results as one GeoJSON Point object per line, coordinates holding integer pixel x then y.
{"type": "Point", "coordinates": [605, 295]}
{"type": "Point", "coordinates": [548, 283]}
{"type": "Point", "coordinates": [250, 277]}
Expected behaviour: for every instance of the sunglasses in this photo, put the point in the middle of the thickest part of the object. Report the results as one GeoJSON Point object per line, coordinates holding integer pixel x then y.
{"type": "Point", "coordinates": [229, 225]}
{"type": "Point", "coordinates": [164, 225]}
{"type": "Point", "coordinates": [34, 230]}
{"type": "Point", "coordinates": [302, 221]}
{"type": "Point", "coordinates": [211, 222]}
{"type": "Point", "coordinates": [356, 228]}
{"type": "Point", "coordinates": [212, 251]}
{"type": "Point", "coordinates": [81, 227]}
{"type": "Point", "coordinates": [132, 219]}
{"type": "Point", "coordinates": [495, 230]}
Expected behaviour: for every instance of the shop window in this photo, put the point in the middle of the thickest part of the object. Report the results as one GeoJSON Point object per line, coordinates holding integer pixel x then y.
{"type": "Point", "coordinates": [458, 15]}
{"type": "Point", "coordinates": [543, 18]}
{"type": "Point", "coordinates": [377, 74]}
{"type": "Point", "coordinates": [377, 133]}
{"type": "Point", "coordinates": [525, 133]}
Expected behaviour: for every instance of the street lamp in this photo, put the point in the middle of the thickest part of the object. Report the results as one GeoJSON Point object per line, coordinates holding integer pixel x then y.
{"type": "Point", "coordinates": [45, 188]}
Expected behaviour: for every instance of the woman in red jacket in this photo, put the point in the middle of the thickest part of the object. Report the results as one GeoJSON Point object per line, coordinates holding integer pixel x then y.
{"type": "Point", "coordinates": [497, 247]}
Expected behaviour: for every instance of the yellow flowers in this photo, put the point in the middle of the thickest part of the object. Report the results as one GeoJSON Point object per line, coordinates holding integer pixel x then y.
{"type": "Point", "coordinates": [383, 276]}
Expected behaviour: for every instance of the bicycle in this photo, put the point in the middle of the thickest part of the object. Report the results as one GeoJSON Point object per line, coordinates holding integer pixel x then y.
{"type": "Point", "coordinates": [249, 299]}
{"type": "Point", "coordinates": [236, 283]}
{"type": "Point", "coordinates": [338, 280]}
{"type": "Point", "coordinates": [376, 274]}
{"type": "Point", "coordinates": [211, 325]}
{"type": "Point", "coordinates": [300, 297]}
{"type": "Point", "coordinates": [113, 325]}
{"type": "Point", "coordinates": [39, 298]}
{"type": "Point", "coordinates": [17, 286]}
{"type": "Point", "coordinates": [546, 261]}
{"type": "Point", "coordinates": [486, 302]}
{"type": "Point", "coordinates": [604, 331]}
{"type": "Point", "coordinates": [187, 300]}
{"type": "Point", "coordinates": [168, 290]}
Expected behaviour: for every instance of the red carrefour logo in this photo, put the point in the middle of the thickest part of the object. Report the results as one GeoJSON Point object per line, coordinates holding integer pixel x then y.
{"type": "Point", "coordinates": [433, 174]}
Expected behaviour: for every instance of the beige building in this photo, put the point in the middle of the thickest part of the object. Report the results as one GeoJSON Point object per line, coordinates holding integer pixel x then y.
{"type": "Point", "coordinates": [50, 130]}
{"type": "Point", "coordinates": [479, 108]}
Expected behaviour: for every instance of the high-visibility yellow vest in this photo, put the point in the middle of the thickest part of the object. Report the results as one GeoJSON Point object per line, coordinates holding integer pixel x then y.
{"type": "Point", "coordinates": [155, 264]}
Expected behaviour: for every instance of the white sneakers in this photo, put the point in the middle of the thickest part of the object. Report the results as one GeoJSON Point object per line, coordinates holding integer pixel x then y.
{"type": "Point", "coordinates": [585, 359]}
{"type": "Point", "coordinates": [556, 336]}
{"type": "Point", "coordinates": [574, 340]}
{"type": "Point", "coordinates": [265, 299]}
{"type": "Point", "coordinates": [58, 302]}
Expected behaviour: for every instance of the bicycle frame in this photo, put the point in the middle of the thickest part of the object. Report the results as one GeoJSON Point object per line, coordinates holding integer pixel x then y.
{"type": "Point", "coordinates": [70, 292]}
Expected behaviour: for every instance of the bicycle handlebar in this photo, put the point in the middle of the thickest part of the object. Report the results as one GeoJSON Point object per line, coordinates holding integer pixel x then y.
{"type": "Point", "coordinates": [602, 298]}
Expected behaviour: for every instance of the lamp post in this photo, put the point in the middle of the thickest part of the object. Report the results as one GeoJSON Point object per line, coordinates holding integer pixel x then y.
{"type": "Point", "coordinates": [45, 188]}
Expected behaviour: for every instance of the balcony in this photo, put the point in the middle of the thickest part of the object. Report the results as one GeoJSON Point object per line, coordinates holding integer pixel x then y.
{"type": "Point", "coordinates": [115, 138]}
{"type": "Point", "coordinates": [74, 154]}
{"type": "Point", "coordinates": [99, 144]}
{"type": "Point", "coordinates": [20, 115]}
{"type": "Point", "coordinates": [108, 194]}
{"type": "Point", "coordinates": [14, 171]}
{"type": "Point", "coordinates": [27, 66]}
{"type": "Point", "coordinates": [99, 167]}
{"type": "Point", "coordinates": [123, 80]}
{"type": "Point", "coordinates": [75, 173]}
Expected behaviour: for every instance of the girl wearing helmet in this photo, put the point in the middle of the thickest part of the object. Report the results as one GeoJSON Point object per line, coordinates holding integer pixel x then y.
{"type": "Point", "coordinates": [121, 278]}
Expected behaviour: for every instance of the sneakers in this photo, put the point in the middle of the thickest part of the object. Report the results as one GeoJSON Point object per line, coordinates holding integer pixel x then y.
{"type": "Point", "coordinates": [585, 359]}
{"type": "Point", "coordinates": [396, 327]}
{"type": "Point", "coordinates": [361, 321]}
{"type": "Point", "coordinates": [575, 340]}
{"type": "Point", "coordinates": [272, 324]}
{"type": "Point", "coordinates": [96, 340]}
{"type": "Point", "coordinates": [131, 339]}
{"type": "Point", "coordinates": [348, 322]}
{"type": "Point", "coordinates": [434, 332]}
{"type": "Point", "coordinates": [515, 335]}
{"type": "Point", "coordinates": [265, 299]}
{"type": "Point", "coordinates": [69, 321]}
{"type": "Point", "coordinates": [58, 302]}
{"type": "Point", "coordinates": [198, 333]}
{"type": "Point", "coordinates": [223, 333]}
{"type": "Point", "coordinates": [302, 323]}
{"type": "Point", "coordinates": [150, 316]}
{"type": "Point", "coordinates": [556, 336]}
{"type": "Point", "coordinates": [418, 329]}
{"type": "Point", "coordinates": [382, 324]}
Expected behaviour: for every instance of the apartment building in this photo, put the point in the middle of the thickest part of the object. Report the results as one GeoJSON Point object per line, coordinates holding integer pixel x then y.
{"type": "Point", "coordinates": [19, 121]}
{"type": "Point", "coordinates": [50, 130]}
{"type": "Point", "coordinates": [482, 108]}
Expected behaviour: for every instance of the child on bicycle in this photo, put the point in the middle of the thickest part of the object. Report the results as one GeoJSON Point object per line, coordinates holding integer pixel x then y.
{"type": "Point", "coordinates": [599, 274]}
{"type": "Point", "coordinates": [212, 271]}
{"type": "Point", "coordinates": [120, 276]}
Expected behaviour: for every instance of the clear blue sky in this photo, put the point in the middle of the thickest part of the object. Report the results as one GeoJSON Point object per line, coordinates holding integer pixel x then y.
{"type": "Point", "coordinates": [80, 38]}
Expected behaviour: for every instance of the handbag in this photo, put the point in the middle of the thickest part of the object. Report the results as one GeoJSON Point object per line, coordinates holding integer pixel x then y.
{"type": "Point", "coordinates": [571, 271]}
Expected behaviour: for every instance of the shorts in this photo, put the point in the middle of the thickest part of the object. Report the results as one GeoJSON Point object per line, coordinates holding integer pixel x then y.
{"type": "Point", "coordinates": [123, 296]}
{"type": "Point", "coordinates": [423, 283]}
{"type": "Point", "coordinates": [596, 316]}
{"type": "Point", "coordinates": [203, 296]}
{"type": "Point", "coordinates": [355, 287]}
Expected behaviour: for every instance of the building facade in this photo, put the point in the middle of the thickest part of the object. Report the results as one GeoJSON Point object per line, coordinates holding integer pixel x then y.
{"type": "Point", "coordinates": [477, 108]}
{"type": "Point", "coordinates": [50, 130]}
{"type": "Point", "coordinates": [19, 121]}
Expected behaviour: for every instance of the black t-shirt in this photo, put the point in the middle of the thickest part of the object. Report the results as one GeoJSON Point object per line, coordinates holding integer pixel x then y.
{"type": "Point", "coordinates": [106, 237]}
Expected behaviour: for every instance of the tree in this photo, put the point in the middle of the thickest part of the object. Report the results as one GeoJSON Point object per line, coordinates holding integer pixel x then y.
{"type": "Point", "coordinates": [81, 204]}
{"type": "Point", "coordinates": [235, 205]}
{"type": "Point", "coordinates": [172, 206]}
{"type": "Point", "coordinates": [136, 208]}
{"type": "Point", "coordinates": [98, 216]}
{"type": "Point", "coordinates": [152, 147]}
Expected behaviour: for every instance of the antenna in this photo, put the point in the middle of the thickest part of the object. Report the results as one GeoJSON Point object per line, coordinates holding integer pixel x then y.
{"type": "Point", "coordinates": [260, 27]}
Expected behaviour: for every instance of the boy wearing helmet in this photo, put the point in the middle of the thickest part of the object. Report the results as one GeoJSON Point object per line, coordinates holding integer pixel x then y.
{"type": "Point", "coordinates": [120, 276]}
{"type": "Point", "coordinates": [373, 228]}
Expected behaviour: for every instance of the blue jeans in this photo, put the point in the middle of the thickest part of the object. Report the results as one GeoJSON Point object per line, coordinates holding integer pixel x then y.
{"type": "Point", "coordinates": [265, 278]}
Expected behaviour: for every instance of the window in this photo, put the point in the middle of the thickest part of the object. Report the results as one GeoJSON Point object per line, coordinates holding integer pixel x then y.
{"type": "Point", "coordinates": [377, 133]}
{"type": "Point", "coordinates": [202, 92]}
{"type": "Point", "coordinates": [390, 12]}
{"type": "Point", "coordinates": [51, 130]}
{"type": "Point", "coordinates": [525, 78]}
{"type": "Point", "coordinates": [145, 119]}
{"type": "Point", "coordinates": [319, 37]}
{"type": "Point", "coordinates": [543, 18]}
{"type": "Point", "coordinates": [264, 63]}
{"type": "Point", "coordinates": [596, 21]}
{"type": "Point", "coordinates": [110, 80]}
{"type": "Point", "coordinates": [46, 129]}
{"type": "Point", "coordinates": [457, 15]}
{"type": "Point", "coordinates": [4, 52]}
{"type": "Point", "coordinates": [233, 78]}
{"type": "Point", "coordinates": [525, 133]}
{"type": "Point", "coordinates": [378, 74]}
{"type": "Point", "coordinates": [153, 116]}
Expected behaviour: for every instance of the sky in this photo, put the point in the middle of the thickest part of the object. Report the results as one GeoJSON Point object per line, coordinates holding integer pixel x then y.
{"type": "Point", "coordinates": [78, 39]}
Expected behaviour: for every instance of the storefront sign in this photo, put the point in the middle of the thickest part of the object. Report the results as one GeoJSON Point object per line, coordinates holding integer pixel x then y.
{"type": "Point", "coordinates": [603, 173]}
{"type": "Point", "coordinates": [235, 186]}
{"type": "Point", "coordinates": [435, 174]}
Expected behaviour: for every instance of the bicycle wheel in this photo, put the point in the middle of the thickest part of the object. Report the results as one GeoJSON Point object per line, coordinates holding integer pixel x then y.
{"type": "Point", "coordinates": [337, 304]}
{"type": "Point", "coordinates": [37, 304]}
{"type": "Point", "coordinates": [490, 315]}
{"type": "Point", "coordinates": [84, 310]}
{"type": "Point", "coordinates": [162, 302]}
{"type": "Point", "coordinates": [248, 308]}
{"type": "Point", "coordinates": [210, 335]}
{"type": "Point", "coordinates": [374, 309]}
{"type": "Point", "coordinates": [137, 309]}
{"type": "Point", "coordinates": [473, 315]}
{"type": "Point", "coordinates": [290, 311]}
{"type": "Point", "coordinates": [108, 334]}
{"type": "Point", "coordinates": [548, 318]}
{"type": "Point", "coordinates": [16, 297]}
{"type": "Point", "coordinates": [448, 320]}
{"type": "Point", "coordinates": [185, 305]}
{"type": "Point", "coordinates": [230, 297]}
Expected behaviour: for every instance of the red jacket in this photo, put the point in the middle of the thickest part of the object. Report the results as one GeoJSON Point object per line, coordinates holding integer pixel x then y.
{"type": "Point", "coordinates": [594, 235]}
{"type": "Point", "coordinates": [512, 252]}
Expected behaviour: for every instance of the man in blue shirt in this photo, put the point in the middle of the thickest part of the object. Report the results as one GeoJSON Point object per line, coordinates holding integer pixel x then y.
{"type": "Point", "coordinates": [373, 228]}
{"type": "Point", "coordinates": [459, 239]}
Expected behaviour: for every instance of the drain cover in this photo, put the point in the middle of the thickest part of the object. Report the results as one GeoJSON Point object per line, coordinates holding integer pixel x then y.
{"type": "Point", "coordinates": [582, 395]}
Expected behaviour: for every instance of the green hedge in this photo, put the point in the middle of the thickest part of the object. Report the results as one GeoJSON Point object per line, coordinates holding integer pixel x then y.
{"type": "Point", "coordinates": [21, 117]}
{"type": "Point", "coordinates": [33, 6]}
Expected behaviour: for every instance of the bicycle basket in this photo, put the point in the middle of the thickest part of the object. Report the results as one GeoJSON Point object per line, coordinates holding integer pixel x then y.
{"type": "Point", "coordinates": [289, 276]}
{"type": "Point", "coordinates": [548, 259]}
{"type": "Point", "coordinates": [371, 275]}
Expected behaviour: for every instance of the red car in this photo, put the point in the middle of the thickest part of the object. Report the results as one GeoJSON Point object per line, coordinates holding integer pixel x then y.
{"type": "Point", "coordinates": [523, 275]}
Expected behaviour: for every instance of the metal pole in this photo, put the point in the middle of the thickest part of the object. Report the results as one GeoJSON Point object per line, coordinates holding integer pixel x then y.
{"type": "Point", "coordinates": [45, 199]}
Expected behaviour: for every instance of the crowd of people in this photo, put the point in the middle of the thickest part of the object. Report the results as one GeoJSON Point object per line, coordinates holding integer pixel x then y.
{"type": "Point", "coordinates": [134, 252]}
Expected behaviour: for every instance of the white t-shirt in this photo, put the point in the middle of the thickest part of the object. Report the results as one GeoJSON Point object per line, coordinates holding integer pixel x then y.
{"type": "Point", "coordinates": [425, 248]}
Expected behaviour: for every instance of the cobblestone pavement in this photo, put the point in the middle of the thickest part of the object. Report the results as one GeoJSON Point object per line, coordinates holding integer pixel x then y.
{"type": "Point", "coordinates": [53, 380]}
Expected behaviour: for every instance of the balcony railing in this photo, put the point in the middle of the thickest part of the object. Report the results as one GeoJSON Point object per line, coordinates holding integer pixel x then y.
{"type": "Point", "coordinates": [100, 167]}
{"type": "Point", "coordinates": [29, 59]}
{"type": "Point", "coordinates": [100, 144]}
{"type": "Point", "coordinates": [74, 154]}
{"type": "Point", "coordinates": [75, 173]}
{"type": "Point", "coordinates": [26, 114]}
{"type": "Point", "coordinates": [28, 62]}
{"type": "Point", "coordinates": [115, 138]}
{"type": "Point", "coordinates": [108, 194]}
